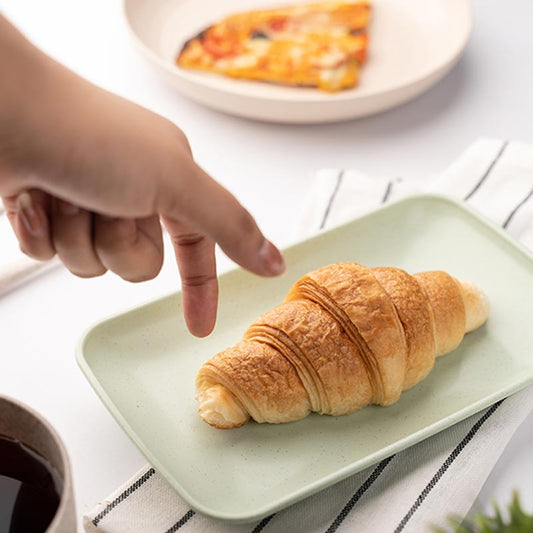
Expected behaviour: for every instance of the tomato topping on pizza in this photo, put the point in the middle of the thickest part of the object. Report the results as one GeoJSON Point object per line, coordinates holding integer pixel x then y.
{"type": "Point", "coordinates": [318, 45]}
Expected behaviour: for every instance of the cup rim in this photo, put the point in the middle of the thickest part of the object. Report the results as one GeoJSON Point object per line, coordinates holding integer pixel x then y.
{"type": "Point", "coordinates": [67, 488]}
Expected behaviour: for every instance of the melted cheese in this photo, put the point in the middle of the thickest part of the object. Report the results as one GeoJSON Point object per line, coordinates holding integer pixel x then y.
{"type": "Point", "coordinates": [319, 45]}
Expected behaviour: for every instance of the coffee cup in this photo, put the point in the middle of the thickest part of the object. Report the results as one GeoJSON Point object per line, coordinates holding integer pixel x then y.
{"type": "Point", "coordinates": [35, 473]}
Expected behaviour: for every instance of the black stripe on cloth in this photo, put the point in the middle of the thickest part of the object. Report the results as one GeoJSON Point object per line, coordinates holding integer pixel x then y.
{"type": "Point", "coordinates": [447, 463]}
{"type": "Point", "coordinates": [183, 520]}
{"type": "Point", "coordinates": [130, 490]}
{"type": "Point", "coordinates": [259, 527]}
{"type": "Point", "coordinates": [387, 192]}
{"type": "Point", "coordinates": [488, 171]}
{"type": "Point", "coordinates": [514, 211]}
{"type": "Point", "coordinates": [332, 197]}
{"type": "Point", "coordinates": [358, 494]}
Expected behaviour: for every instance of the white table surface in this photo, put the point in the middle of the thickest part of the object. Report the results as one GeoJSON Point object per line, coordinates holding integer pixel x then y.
{"type": "Point", "coordinates": [488, 94]}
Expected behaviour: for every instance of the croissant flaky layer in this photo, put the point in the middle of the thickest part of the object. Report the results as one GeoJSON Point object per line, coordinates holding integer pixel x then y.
{"type": "Point", "coordinates": [345, 337]}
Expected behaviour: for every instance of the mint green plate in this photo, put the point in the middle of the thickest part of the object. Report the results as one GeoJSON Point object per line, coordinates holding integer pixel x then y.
{"type": "Point", "coordinates": [143, 364]}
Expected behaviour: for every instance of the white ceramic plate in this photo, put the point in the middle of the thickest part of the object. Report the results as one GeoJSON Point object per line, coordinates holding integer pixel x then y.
{"type": "Point", "coordinates": [143, 364]}
{"type": "Point", "coordinates": [413, 44]}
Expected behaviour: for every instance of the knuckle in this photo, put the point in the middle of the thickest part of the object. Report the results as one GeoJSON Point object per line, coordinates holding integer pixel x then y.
{"type": "Point", "coordinates": [198, 280]}
{"type": "Point", "coordinates": [149, 270]}
{"type": "Point", "coordinates": [187, 239]}
{"type": "Point", "coordinates": [24, 248]}
{"type": "Point", "coordinates": [182, 139]}
{"type": "Point", "coordinates": [174, 135]}
{"type": "Point", "coordinates": [36, 252]}
{"type": "Point", "coordinates": [87, 274]}
{"type": "Point", "coordinates": [140, 277]}
{"type": "Point", "coordinates": [68, 245]}
{"type": "Point", "coordinates": [11, 208]}
{"type": "Point", "coordinates": [115, 235]}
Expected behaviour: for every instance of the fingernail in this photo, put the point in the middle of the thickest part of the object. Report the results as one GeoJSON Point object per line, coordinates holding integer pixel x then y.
{"type": "Point", "coordinates": [29, 215]}
{"type": "Point", "coordinates": [271, 258]}
{"type": "Point", "coordinates": [68, 209]}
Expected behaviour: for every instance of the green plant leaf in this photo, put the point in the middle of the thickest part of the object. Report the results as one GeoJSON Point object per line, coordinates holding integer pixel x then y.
{"type": "Point", "coordinates": [519, 521]}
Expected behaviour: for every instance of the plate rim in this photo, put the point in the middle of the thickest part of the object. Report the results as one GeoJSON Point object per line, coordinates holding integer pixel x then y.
{"type": "Point", "coordinates": [309, 489]}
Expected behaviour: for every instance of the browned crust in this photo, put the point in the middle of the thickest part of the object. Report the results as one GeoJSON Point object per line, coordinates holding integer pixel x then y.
{"type": "Point", "coordinates": [339, 379]}
{"type": "Point", "coordinates": [417, 319]}
{"type": "Point", "coordinates": [352, 294]}
{"type": "Point", "coordinates": [264, 381]}
{"type": "Point", "coordinates": [445, 298]}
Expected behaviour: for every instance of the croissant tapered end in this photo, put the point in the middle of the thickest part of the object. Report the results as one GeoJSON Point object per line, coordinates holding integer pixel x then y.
{"type": "Point", "coordinates": [476, 305]}
{"type": "Point", "coordinates": [220, 408]}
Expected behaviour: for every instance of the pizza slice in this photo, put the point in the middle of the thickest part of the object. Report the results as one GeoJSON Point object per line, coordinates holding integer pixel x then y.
{"type": "Point", "coordinates": [318, 45]}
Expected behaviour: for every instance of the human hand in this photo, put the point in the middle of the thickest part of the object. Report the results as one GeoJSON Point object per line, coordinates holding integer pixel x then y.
{"type": "Point", "coordinates": [88, 176]}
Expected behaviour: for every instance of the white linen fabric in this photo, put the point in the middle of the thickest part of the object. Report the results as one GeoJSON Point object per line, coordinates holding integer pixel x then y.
{"type": "Point", "coordinates": [411, 491]}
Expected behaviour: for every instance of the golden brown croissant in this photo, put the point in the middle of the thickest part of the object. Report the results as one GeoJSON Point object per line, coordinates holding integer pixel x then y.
{"type": "Point", "coordinates": [346, 336]}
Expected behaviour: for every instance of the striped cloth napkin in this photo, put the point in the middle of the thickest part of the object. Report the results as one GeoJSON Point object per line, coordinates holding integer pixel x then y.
{"type": "Point", "coordinates": [418, 488]}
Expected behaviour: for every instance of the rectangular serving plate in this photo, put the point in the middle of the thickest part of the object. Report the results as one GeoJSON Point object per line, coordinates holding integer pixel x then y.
{"type": "Point", "coordinates": [143, 363]}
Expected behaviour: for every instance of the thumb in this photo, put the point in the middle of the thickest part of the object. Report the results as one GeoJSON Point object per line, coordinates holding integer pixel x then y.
{"type": "Point", "coordinates": [205, 205]}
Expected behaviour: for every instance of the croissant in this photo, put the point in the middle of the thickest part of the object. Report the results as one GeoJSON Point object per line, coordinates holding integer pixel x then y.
{"type": "Point", "coordinates": [346, 336]}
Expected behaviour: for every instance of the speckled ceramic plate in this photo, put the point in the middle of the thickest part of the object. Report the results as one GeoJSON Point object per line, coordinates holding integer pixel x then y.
{"type": "Point", "coordinates": [413, 44]}
{"type": "Point", "coordinates": [143, 363]}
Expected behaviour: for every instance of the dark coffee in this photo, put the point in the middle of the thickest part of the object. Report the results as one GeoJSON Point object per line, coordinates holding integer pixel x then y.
{"type": "Point", "coordinates": [30, 489]}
